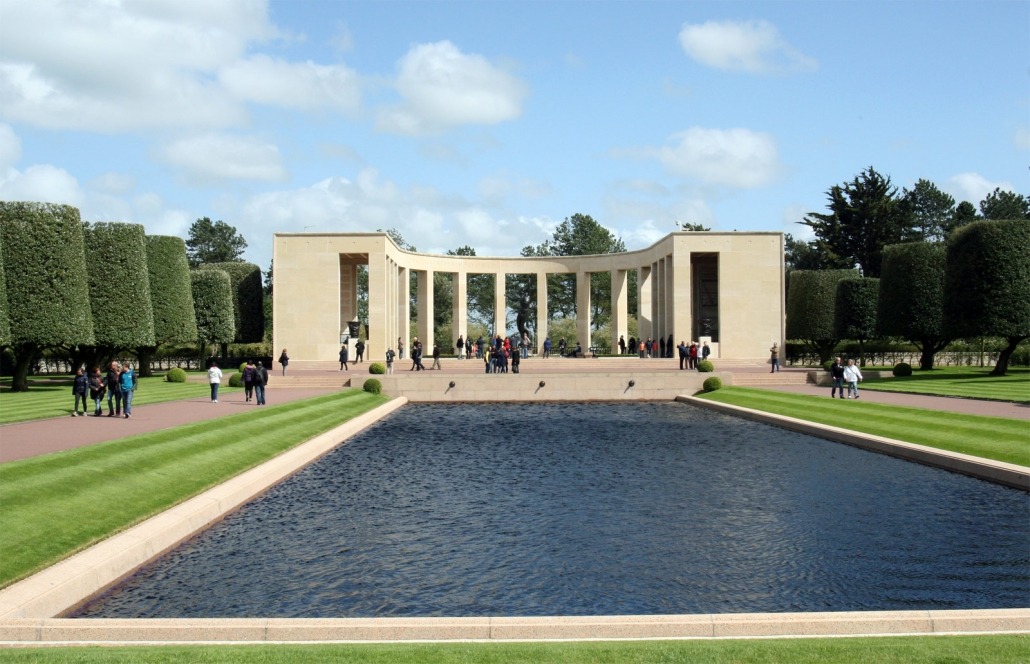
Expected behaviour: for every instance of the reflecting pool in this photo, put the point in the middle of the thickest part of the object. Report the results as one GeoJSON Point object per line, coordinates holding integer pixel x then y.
{"type": "Point", "coordinates": [594, 509]}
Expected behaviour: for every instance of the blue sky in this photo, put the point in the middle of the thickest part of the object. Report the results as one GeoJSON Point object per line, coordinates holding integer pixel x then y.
{"type": "Point", "coordinates": [487, 123]}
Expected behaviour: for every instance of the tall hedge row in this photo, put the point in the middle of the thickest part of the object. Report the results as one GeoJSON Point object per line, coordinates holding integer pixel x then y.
{"type": "Point", "coordinates": [911, 299]}
{"type": "Point", "coordinates": [175, 321]}
{"type": "Point", "coordinates": [212, 302]}
{"type": "Point", "coordinates": [123, 315]}
{"type": "Point", "coordinates": [811, 308]}
{"type": "Point", "coordinates": [987, 283]}
{"type": "Point", "coordinates": [47, 285]}
{"type": "Point", "coordinates": [5, 321]}
{"type": "Point", "coordinates": [248, 299]}
{"type": "Point", "coordinates": [855, 308]}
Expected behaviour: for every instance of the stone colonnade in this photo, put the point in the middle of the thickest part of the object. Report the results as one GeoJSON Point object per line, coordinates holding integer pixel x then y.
{"type": "Point", "coordinates": [727, 288]}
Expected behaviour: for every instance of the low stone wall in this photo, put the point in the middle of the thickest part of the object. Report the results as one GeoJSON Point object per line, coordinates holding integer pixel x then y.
{"type": "Point", "coordinates": [436, 387]}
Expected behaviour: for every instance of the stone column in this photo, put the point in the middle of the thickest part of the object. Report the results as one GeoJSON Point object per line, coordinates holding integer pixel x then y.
{"type": "Point", "coordinates": [644, 301]}
{"type": "Point", "coordinates": [682, 321]}
{"type": "Point", "coordinates": [425, 309]}
{"type": "Point", "coordinates": [403, 309]}
{"type": "Point", "coordinates": [380, 304]}
{"type": "Point", "coordinates": [500, 321]}
{"type": "Point", "coordinates": [658, 300]}
{"type": "Point", "coordinates": [583, 309]}
{"type": "Point", "coordinates": [460, 306]}
{"type": "Point", "coordinates": [542, 314]}
{"type": "Point", "coordinates": [620, 301]}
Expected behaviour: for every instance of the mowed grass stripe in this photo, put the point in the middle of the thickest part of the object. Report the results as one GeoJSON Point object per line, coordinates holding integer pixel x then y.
{"type": "Point", "coordinates": [968, 382]}
{"type": "Point", "coordinates": [997, 438]}
{"type": "Point", "coordinates": [53, 506]}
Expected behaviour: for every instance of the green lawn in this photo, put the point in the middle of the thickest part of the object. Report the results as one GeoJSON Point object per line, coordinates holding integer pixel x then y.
{"type": "Point", "coordinates": [52, 397]}
{"type": "Point", "coordinates": [997, 438]}
{"type": "Point", "coordinates": [993, 649]}
{"type": "Point", "coordinates": [55, 505]}
{"type": "Point", "coordinates": [969, 382]}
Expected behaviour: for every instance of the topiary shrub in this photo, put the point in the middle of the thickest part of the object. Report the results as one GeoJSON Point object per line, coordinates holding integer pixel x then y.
{"type": "Point", "coordinates": [243, 365]}
{"type": "Point", "coordinates": [705, 366]}
{"type": "Point", "coordinates": [175, 375]}
{"type": "Point", "coordinates": [712, 384]}
{"type": "Point", "coordinates": [902, 369]}
{"type": "Point", "coordinates": [377, 368]}
{"type": "Point", "coordinates": [373, 386]}
{"type": "Point", "coordinates": [236, 380]}
{"type": "Point", "coordinates": [829, 363]}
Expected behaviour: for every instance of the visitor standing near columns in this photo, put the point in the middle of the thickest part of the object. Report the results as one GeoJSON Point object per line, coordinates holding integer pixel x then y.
{"type": "Point", "coordinates": [692, 351]}
{"type": "Point", "coordinates": [344, 351]}
{"type": "Point", "coordinates": [284, 360]}
{"type": "Point", "coordinates": [359, 350]}
{"type": "Point", "coordinates": [436, 356]}
{"type": "Point", "coordinates": [459, 347]}
{"type": "Point", "coordinates": [668, 347]}
{"type": "Point", "coordinates": [774, 358]}
{"type": "Point", "coordinates": [705, 351]}
{"type": "Point", "coordinates": [547, 347]}
{"type": "Point", "coordinates": [389, 360]}
{"type": "Point", "coordinates": [622, 345]}
{"type": "Point", "coordinates": [400, 348]}
{"type": "Point", "coordinates": [214, 376]}
{"type": "Point", "coordinates": [684, 358]}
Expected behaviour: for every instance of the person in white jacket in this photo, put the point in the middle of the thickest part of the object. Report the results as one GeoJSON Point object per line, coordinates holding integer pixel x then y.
{"type": "Point", "coordinates": [851, 376]}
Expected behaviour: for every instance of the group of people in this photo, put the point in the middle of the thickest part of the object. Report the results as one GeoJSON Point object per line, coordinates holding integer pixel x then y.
{"type": "Point", "coordinates": [692, 354]}
{"type": "Point", "coordinates": [845, 373]}
{"type": "Point", "coordinates": [255, 378]}
{"type": "Point", "coordinates": [500, 355]}
{"type": "Point", "coordinates": [359, 352]}
{"type": "Point", "coordinates": [466, 349]}
{"type": "Point", "coordinates": [118, 385]}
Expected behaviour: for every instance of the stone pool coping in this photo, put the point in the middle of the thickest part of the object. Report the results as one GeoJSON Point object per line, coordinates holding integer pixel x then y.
{"type": "Point", "coordinates": [28, 608]}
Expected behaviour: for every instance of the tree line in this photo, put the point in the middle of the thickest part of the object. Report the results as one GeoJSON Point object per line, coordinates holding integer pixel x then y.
{"type": "Point", "coordinates": [93, 291]}
{"type": "Point", "coordinates": [912, 265]}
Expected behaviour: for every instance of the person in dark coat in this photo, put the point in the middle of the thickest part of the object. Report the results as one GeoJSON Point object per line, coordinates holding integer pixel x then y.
{"type": "Point", "coordinates": [359, 351]}
{"type": "Point", "coordinates": [343, 357]}
{"type": "Point", "coordinates": [80, 388]}
{"type": "Point", "coordinates": [114, 390]}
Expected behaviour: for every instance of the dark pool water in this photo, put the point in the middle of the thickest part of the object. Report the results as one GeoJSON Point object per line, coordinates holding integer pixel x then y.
{"type": "Point", "coordinates": [595, 509]}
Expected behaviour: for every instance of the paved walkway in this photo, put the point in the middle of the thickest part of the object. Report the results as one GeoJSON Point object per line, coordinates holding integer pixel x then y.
{"type": "Point", "coordinates": [27, 439]}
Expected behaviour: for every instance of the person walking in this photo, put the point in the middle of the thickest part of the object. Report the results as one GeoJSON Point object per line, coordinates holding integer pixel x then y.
{"type": "Point", "coordinates": [436, 356]}
{"type": "Point", "coordinates": [114, 390]}
{"type": "Point", "coordinates": [80, 388]}
{"type": "Point", "coordinates": [705, 351]}
{"type": "Point", "coordinates": [389, 360]}
{"type": "Point", "coordinates": [547, 347]}
{"type": "Point", "coordinates": [837, 374]}
{"type": "Point", "coordinates": [344, 352]}
{"type": "Point", "coordinates": [214, 376]}
{"type": "Point", "coordinates": [459, 346]}
{"type": "Point", "coordinates": [260, 380]}
{"type": "Point", "coordinates": [622, 345]}
{"type": "Point", "coordinates": [774, 358]}
{"type": "Point", "coordinates": [851, 376]}
{"type": "Point", "coordinates": [359, 351]}
{"type": "Point", "coordinates": [284, 360]}
{"type": "Point", "coordinates": [249, 376]}
{"type": "Point", "coordinates": [128, 384]}
{"type": "Point", "coordinates": [96, 391]}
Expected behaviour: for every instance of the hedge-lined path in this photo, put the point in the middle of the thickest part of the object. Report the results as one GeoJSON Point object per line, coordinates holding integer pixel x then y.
{"type": "Point", "coordinates": [27, 439]}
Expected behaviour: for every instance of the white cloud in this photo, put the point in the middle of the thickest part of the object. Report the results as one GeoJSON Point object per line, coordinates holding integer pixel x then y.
{"type": "Point", "coordinates": [222, 157]}
{"type": "Point", "coordinates": [973, 187]}
{"type": "Point", "coordinates": [738, 158]}
{"type": "Point", "coordinates": [753, 46]}
{"type": "Point", "coordinates": [113, 66]}
{"type": "Point", "coordinates": [10, 148]}
{"type": "Point", "coordinates": [304, 86]}
{"type": "Point", "coordinates": [44, 183]}
{"type": "Point", "coordinates": [442, 87]}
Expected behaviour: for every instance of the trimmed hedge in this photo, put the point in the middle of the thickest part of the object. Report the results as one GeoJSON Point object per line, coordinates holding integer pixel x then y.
{"type": "Point", "coordinates": [175, 375]}
{"type": "Point", "coordinates": [45, 272]}
{"type": "Point", "coordinates": [911, 298]}
{"type": "Point", "coordinates": [902, 369]}
{"type": "Point", "coordinates": [236, 380]}
{"type": "Point", "coordinates": [212, 302]}
{"type": "Point", "coordinates": [705, 366]}
{"type": "Point", "coordinates": [711, 384]}
{"type": "Point", "coordinates": [5, 321]}
{"type": "Point", "coordinates": [373, 386]}
{"type": "Point", "coordinates": [248, 305]}
{"type": "Point", "coordinates": [811, 308]}
{"type": "Point", "coordinates": [119, 285]}
{"type": "Point", "coordinates": [377, 368]}
{"type": "Point", "coordinates": [855, 308]}
{"type": "Point", "coordinates": [171, 292]}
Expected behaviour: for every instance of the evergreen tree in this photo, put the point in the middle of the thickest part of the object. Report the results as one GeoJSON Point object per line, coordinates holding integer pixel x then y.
{"type": "Point", "coordinates": [911, 297]}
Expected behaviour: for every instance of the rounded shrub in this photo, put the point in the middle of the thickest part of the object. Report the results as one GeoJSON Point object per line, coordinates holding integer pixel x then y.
{"type": "Point", "coordinates": [243, 365]}
{"type": "Point", "coordinates": [705, 366]}
{"type": "Point", "coordinates": [176, 375]}
{"type": "Point", "coordinates": [377, 368]}
{"type": "Point", "coordinates": [373, 386]}
{"type": "Point", "coordinates": [902, 369]}
{"type": "Point", "coordinates": [712, 384]}
{"type": "Point", "coordinates": [236, 380]}
{"type": "Point", "coordinates": [828, 363]}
